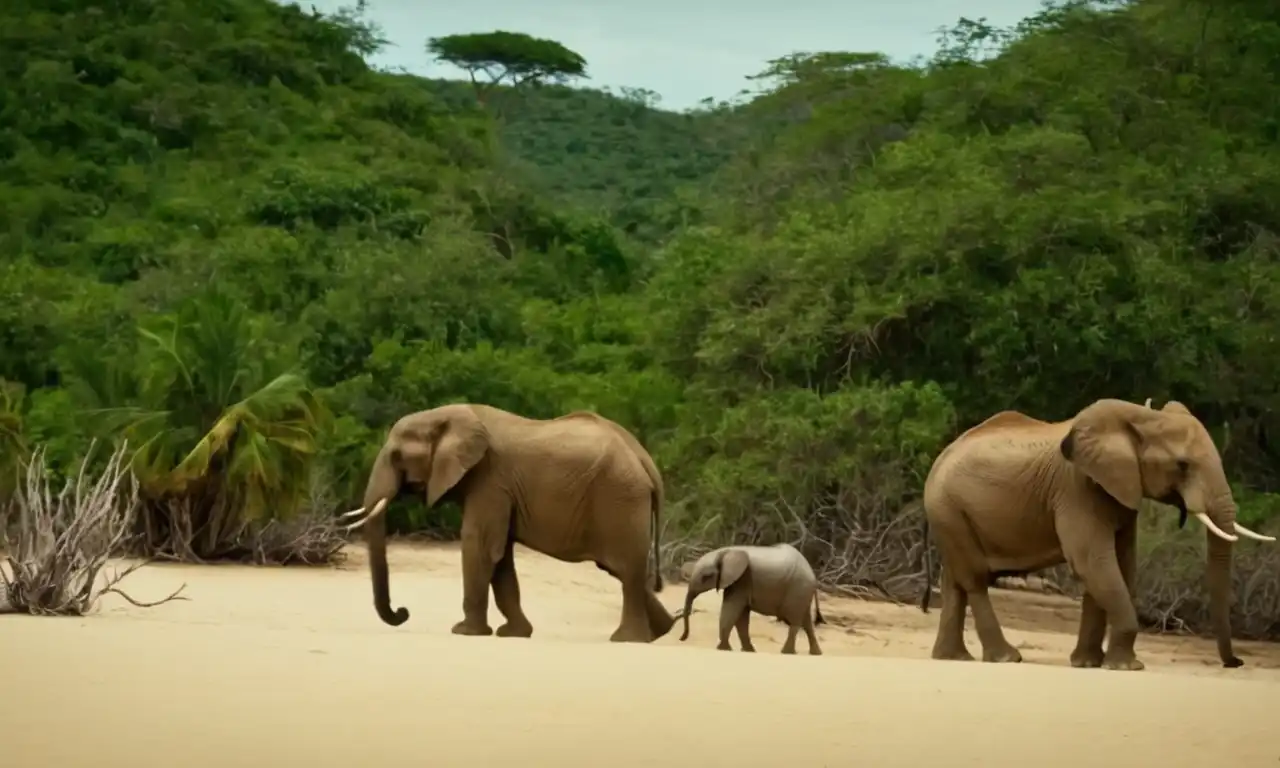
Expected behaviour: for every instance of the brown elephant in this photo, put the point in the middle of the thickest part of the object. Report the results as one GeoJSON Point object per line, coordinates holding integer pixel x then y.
{"type": "Point", "coordinates": [1015, 494]}
{"type": "Point", "coordinates": [577, 488]}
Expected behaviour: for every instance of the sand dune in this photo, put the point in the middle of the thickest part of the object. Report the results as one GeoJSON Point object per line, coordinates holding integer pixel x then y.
{"type": "Point", "coordinates": [290, 667]}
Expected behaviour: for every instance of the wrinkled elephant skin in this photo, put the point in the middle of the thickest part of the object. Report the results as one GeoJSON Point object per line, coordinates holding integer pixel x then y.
{"type": "Point", "coordinates": [577, 488]}
{"type": "Point", "coordinates": [1015, 494]}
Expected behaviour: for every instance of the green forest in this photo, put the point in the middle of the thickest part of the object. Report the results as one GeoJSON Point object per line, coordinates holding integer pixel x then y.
{"type": "Point", "coordinates": [227, 239]}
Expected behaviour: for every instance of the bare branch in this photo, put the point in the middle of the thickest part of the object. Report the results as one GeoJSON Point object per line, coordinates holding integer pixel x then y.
{"type": "Point", "coordinates": [174, 595]}
{"type": "Point", "coordinates": [58, 545]}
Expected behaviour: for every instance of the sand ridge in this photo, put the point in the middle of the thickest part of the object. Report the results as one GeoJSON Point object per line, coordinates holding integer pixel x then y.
{"type": "Point", "coordinates": [290, 666]}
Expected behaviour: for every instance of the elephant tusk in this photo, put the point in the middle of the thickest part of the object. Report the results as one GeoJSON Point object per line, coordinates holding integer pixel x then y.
{"type": "Point", "coordinates": [1203, 518]}
{"type": "Point", "coordinates": [352, 513]}
{"type": "Point", "coordinates": [1240, 529]}
{"type": "Point", "coordinates": [377, 510]}
{"type": "Point", "coordinates": [1148, 403]}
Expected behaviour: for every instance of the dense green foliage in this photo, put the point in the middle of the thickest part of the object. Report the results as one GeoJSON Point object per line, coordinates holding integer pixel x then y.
{"type": "Point", "coordinates": [617, 156]}
{"type": "Point", "coordinates": [794, 302]}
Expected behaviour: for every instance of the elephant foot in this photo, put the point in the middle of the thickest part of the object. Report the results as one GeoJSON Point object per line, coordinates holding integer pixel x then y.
{"type": "Point", "coordinates": [514, 629]}
{"type": "Point", "coordinates": [748, 649]}
{"type": "Point", "coordinates": [1233, 662]}
{"type": "Point", "coordinates": [1130, 664]}
{"type": "Point", "coordinates": [1090, 659]}
{"type": "Point", "coordinates": [628, 635]}
{"type": "Point", "coordinates": [1005, 655]}
{"type": "Point", "coordinates": [660, 622]}
{"type": "Point", "coordinates": [952, 654]}
{"type": "Point", "coordinates": [723, 647]}
{"type": "Point", "coordinates": [815, 651]}
{"type": "Point", "coordinates": [790, 650]}
{"type": "Point", "coordinates": [473, 629]}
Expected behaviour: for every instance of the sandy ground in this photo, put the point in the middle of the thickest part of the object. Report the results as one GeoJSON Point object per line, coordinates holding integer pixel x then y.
{"type": "Point", "coordinates": [291, 667]}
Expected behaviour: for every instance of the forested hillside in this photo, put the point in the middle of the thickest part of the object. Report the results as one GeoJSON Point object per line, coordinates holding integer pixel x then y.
{"type": "Point", "coordinates": [226, 238]}
{"type": "Point", "coordinates": [614, 154]}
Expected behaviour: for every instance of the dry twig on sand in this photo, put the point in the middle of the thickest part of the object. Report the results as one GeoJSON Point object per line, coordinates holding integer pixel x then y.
{"type": "Point", "coordinates": [57, 545]}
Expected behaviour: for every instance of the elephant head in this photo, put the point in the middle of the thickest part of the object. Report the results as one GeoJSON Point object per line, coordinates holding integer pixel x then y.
{"type": "Point", "coordinates": [718, 569]}
{"type": "Point", "coordinates": [1133, 451]}
{"type": "Point", "coordinates": [431, 450]}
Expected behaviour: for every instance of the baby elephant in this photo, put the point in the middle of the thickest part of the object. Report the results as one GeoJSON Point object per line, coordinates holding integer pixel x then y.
{"type": "Point", "coordinates": [772, 581]}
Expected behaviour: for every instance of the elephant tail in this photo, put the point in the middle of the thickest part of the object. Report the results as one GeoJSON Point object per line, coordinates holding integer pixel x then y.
{"type": "Point", "coordinates": [656, 499]}
{"type": "Point", "coordinates": [817, 612]}
{"type": "Point", "coordinates": [656, 494]}
{"type": "Point", "coordinates": [928, 566]}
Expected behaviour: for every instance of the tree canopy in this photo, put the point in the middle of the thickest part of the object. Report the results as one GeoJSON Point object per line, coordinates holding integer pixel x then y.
{"type": "Point", "coordinates": [510, 58]}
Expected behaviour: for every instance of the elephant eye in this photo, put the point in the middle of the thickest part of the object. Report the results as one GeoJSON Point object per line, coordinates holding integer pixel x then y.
{"type": "Point", "coordinates": [1184, 466]}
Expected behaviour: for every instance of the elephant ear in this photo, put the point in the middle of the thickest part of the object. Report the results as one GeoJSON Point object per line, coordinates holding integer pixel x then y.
{"type": "Point", "coordinates": [1103, 443]}
{"type": "Point", "coordinates": [463, 441]}
{"type": "Point", "coordinates": [730, 567]}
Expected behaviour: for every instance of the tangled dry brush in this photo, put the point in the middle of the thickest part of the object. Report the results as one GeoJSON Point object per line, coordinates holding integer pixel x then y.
{"type": "Point", "coordinates": [57, 545]}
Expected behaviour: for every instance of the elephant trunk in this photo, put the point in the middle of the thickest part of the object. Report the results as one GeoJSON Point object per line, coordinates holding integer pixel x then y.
{"type": "Point", "coordinates": [1218, 572]}
{"type": "Point", "coordinates": [688, 608]}
{"type": "Point", "coordinates": [384, 484]}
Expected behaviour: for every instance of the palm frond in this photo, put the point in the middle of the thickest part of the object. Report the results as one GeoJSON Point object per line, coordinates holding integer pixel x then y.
{"type": "Point", "coordinates": [211, 413]}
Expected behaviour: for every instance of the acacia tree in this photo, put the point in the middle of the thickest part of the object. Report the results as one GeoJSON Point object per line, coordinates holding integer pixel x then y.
{"type": "Point", "coordinates": [513, 58]}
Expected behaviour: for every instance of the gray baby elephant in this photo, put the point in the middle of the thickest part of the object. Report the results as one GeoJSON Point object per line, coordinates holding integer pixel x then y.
{"type": "Point", "coordinates": [772, 581]}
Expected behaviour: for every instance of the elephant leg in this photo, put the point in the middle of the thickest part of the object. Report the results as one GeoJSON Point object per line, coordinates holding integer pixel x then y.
{"type": "Point", "coordinates": [995, 648]}
{"type": "Point", "coordinates": [810, 635]}
{"type": "Point", "coordinates": [743, 625]}
{"type": "Point", "coordinates": [635, 624]}
{"type": "Point", "coordinates": [1093, 618]}
{"type": "Point", "coordinates": [506, 593]}
{"type": "Point", "coordinates": [1127, 556]}
{"type": "Point", "coordinates": [644, 617]}
{"type": "Point", "coordinates": [731, 607]}
{"type": "Point", "coordinates": [789, 645]}
{"type": "Point", "coordinates": [949, 644]}
{"type": "Point", "coordinates": [486, 517]}
{"type": "Point", "coordinates": [1097, 559]}
{"type": "Point", "coordinates": [660, 619]}
{"type": "Point", "coordinates": [1093, 629]}
{"type": "Point", "coordinates": [1127, 560]}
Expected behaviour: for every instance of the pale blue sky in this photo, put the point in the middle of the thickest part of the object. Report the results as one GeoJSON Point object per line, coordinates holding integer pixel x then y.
{"type": "Point", "coordinates": [685, 50]}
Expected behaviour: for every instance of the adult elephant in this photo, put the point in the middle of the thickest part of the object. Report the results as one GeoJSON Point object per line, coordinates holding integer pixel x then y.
{"type": "Point", "coordinates": [1015, 494]}
{"type": "Point", "coordinates": [577, 488]}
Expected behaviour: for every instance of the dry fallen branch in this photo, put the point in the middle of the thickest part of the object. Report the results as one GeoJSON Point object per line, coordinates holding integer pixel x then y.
{"type": "Point", "coordinates": [306, 539]}
{"type": "Point", "coordinates": [57, 545]}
